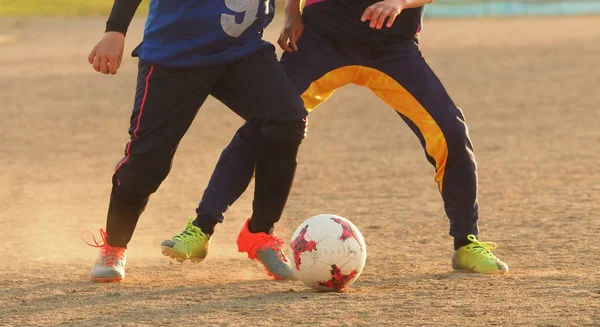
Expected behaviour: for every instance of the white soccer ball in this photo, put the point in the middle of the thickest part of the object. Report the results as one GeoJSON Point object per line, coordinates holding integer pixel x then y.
{"type": "Point", "coordinates": [328, 252]}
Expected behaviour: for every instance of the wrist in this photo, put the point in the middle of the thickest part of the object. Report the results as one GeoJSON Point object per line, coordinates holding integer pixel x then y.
{"type": "Point", "coordinates": [292, 14]}
{"type": "Point", "coordinates": [114, 27]}
{"type": "Point", "coordinates": [118, 34]}
{"type": "Point", "coordinates": [402, 4]}
{"type": "Point", "coordinates": [292, 7]}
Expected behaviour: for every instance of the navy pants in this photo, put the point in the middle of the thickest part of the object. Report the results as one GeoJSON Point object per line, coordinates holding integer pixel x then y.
{"type": "Point", "coordinates": [166, 102]}
{"type": "Point", "coordinates": [404, 81]}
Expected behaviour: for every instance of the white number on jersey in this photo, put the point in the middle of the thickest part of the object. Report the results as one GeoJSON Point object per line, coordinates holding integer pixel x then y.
{"type": "Point", "coordinates": [248, 7]}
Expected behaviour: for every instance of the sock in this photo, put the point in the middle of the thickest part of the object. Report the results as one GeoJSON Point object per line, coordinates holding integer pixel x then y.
{"type": "Point", "coordinates": [206, 224]}
{"type": "Point", "coordinates": [460, 242]}
{"type": "Point", "coordinates": [123, 214]}
{"type": "Point", "coordinates": [258, 226]}
{"type": "Point", "coordinates": [275, 169]}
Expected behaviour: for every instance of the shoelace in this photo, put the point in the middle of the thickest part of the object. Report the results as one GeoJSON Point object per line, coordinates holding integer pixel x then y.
{"type": "Point", "coordinates": [276, 245]}
{"type": "Point", "coordinates": [188, 235]}
{"type": "Point", "coordinates": [96, 243]}
{"type": "Point", "coordinates": [279, 245]}
{"type": "Point", "coordinates": [110, 253]}
{"type": "Point", "coordinates": [482, 247]}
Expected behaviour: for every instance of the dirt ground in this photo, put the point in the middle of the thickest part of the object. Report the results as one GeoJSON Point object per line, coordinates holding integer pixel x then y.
{"type": "Point", "coordinates": [529, 89]}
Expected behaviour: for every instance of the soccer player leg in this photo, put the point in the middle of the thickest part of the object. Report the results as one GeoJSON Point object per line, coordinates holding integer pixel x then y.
{"type": "Point", "coordinates": [307, 69]}
{"type": "Point", "coordinates": [407, 84]}
{"type": "Point", "coordinates": [258, 90]}
{"type": "Point", "coordinates": [231, 177]}
{"type": "Point", "coordinates": [165, 105]}
{"type": "Point", "coordinates": [317, 69]}
{"type": "Point", "coordinates": [229, 180]}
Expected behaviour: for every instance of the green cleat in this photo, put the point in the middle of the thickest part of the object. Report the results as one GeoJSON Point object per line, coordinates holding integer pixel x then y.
{"type": "Point", "coordinates": [191, 244]}
{"type": "Point", "coordinates": [476, 257]}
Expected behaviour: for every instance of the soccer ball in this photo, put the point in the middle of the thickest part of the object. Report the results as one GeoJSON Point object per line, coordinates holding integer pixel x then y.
{"type": "Point", "coordinates": [328, 252]}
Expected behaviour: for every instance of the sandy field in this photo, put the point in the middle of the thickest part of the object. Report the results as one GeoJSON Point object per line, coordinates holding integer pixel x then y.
{"type": "Point", "coordinates": [528, 87]}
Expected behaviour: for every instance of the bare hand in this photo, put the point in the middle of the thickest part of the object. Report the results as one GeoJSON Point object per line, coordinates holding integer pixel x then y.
{"type": "Point", "coordinates": [107, 54]}
{"type": "Point", "coordinates": [379, 11]}
{"type": "Point", "coordinates": [292, 31]}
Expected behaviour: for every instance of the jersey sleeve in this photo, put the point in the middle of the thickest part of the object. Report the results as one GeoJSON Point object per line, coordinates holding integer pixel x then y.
{"type": "Point", "coordinates": [121, 15]}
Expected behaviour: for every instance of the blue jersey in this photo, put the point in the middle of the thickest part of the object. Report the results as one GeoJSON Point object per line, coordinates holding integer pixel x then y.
{"type": "Point", "coordinates": [194, 33]}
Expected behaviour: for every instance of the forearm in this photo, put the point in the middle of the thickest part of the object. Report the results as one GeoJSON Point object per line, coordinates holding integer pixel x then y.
{"type": "Point", "coordinates": [121, 15]}
{"type": "Point", "coordinates": [415, 3]}
{"type": "Point", "coordinates": [293, 5]}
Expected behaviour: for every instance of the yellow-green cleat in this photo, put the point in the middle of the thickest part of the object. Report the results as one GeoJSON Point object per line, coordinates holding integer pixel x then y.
{"type": "Point", "coordinates": [477, 257]}
{"type": "Point", "coordinates": [191, 244]}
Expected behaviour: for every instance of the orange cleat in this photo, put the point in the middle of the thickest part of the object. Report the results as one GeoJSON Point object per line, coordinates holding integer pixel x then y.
{"type": "Point", "coordinates": [267, 249]}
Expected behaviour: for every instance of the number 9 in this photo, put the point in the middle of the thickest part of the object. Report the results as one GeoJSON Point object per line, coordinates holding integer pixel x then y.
{"type": "Point", "coordinates": [250, 10]}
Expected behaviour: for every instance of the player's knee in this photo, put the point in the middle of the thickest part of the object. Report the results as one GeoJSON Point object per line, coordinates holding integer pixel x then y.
{"type": "Point", "coordinates": [134, 187]}
{"type": "Point", "coordinates": [139, 180]}
{"type": "Point", "coordinates": [455, 129]}
{"type": "Point", "coordinates": [285, 130]}
{"type": "Point", "coordinates": [249, 131]}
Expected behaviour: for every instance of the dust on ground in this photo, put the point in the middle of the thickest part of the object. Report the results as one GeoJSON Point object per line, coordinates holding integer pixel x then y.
{"type": "Point", "coordinates": [529, 90]}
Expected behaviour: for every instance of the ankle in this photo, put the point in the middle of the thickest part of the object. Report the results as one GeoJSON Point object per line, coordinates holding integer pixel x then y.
{"type": "Point", "coordinates": [116, 243]}
{"type": "Point", "coordinates": [206, 224]}
{"type": "Point", "coordinates": [257, 226]}
{"type": "Point", "coordinates": [460, 242]}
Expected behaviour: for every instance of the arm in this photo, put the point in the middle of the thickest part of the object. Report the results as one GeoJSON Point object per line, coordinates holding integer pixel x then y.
{"type": "Point", "coordinates": [293, 6]}
{"type": "Point", "coordinates": [390, 9]}
{"type": "Point", "coordinates": [106, 56]}
{"type": "Point", "coordinates": [292, 26]}
{"type": "Point", "coordinates": [121, 15]}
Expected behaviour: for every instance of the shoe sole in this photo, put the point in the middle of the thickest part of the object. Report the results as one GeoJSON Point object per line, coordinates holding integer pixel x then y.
{"type": "Point", "coordinates": [499, 272]}
{"type": "Point", "coordinates": [275, 277]}
{"type": "Point", "coordinates": [269, 273]}
{"type": "Point", "coordinates": [107, 280]}
{"type": "Point", "coordinates": [169, 252]}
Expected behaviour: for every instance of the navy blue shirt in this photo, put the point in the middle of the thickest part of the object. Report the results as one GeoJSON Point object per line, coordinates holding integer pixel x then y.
{"type": "Point", "coordinates": [340, 20]}
{"type": "Point", "coordinates": [194, 33]}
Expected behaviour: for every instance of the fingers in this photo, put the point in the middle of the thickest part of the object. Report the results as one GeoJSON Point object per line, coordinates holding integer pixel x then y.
{"type": "Point", "coordinates": [391, 19]}
{"type": "Point", "coordinates": [91, 56]}
{"type": "Point", "coordinates": [113, 65]}
{"type": "Point", "coordinates": [372, 13]}
{"type": "Point", "coordinates": [389, 14]}
{"type": "Point", "coordinates": [378, 13]}
{"type": "Point", "coordinates": [376, 16]}
{"type": "Point", "coordinates": [295, 37]}
{"type": "Point", "coordinates": [104, 61]}
{"type": "Point", "coordinates": [283, 44]}
{"type": "Point", "coordinates": [293, 45]}
{"type": "Point", "coordinates": [96, 63]}
{"type": "Point", "coordinates": [367, 14]}
{"type": "Point", "coordinates": [283, 41]}
{"type": "Point", "coordinates": [106, 56]}
{"type": "Point", "coordinates": [106, 65]}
